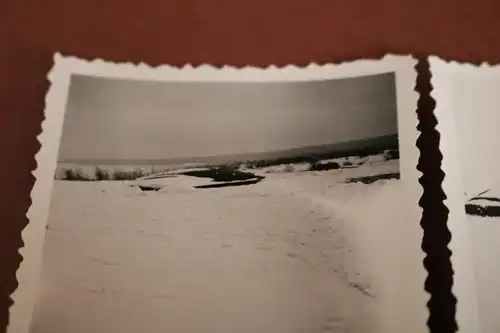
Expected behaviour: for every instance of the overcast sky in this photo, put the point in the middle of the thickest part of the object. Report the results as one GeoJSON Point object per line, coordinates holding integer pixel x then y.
{"type": "Point", "coordinates": [117, 119]}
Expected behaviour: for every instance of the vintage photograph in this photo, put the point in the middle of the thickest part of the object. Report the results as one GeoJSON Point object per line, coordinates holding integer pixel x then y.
{"type": "Point", "coordinates": [468, 106]}
{"type": "Point", "coordinates": [231, 200]}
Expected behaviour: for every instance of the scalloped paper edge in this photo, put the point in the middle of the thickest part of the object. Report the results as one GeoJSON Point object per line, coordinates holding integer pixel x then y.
{"type": "Point", "coordinates": [464, 287]}
{"type": "Point", "coordinates": [410, 303]}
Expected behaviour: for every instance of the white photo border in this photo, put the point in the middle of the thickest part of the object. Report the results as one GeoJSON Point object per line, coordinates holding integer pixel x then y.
{"type": "Point", "coordinates": [24, 297]}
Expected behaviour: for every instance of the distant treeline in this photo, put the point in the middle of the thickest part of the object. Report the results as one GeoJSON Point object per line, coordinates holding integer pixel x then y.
{"type": "Point", "coordinates": [314, 162]}
{"type": "Point", "coordinates": [101, 174]}
{"type": "Point", "coordinates": [315, 159]}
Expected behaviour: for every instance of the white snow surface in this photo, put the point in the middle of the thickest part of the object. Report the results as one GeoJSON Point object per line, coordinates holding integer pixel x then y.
{"type": "Point", "coordinates": [484, 232]}
{"type": "Point", "coordinates": [297, 252]}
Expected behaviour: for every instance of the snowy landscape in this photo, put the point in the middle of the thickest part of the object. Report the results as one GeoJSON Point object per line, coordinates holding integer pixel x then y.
{"type": "Point", "coordinates": [224, 208]}
{"type": "Point", "coordinates": [288, 250]}
{"type": "Point", "coordinates": [483, 222]}
{"type": "Point", "coordinates": [485, 204]}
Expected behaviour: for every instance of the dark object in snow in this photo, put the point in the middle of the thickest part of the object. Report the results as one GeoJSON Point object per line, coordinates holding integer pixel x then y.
{"type": "Point", "coordinates": [146, 188]}
{"type": "Point", "coordinates": [372, 179]}
{"type": "Point", "coordinates": [224, 177]}
{"type": "Point", "coordinates": [233, 183]}
{"type": "Point", "coordinates": [391, 154]}
{"type": "Point", "coordinates": [492, 210]}
{"type": "Point", "coordinates": [324, 166]}
{"type": "Point", "coordinates": [483, 211]}
{"type": "Point", "coordinates": [160, 176]}
{"type": "Point", "coordinates": [221, 174]}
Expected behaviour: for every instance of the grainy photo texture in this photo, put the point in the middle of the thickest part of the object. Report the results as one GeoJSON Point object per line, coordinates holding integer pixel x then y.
{"type": "Point", "coordinates": [468, 104]}
{"type": "Point", "coordinates": [228, 200]}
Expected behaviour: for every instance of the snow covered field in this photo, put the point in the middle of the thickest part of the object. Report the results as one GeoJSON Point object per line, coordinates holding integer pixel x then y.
{"type": "Point", "coordinates": [296, 252]}
{"type": "Point", "coordinates": [484, 231]}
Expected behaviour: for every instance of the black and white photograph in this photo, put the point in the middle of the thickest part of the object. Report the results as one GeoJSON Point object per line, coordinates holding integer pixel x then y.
{"type": "Point", "coordinates": [468, 110]}
{"type": "Point", "coordinates": [227, 200]}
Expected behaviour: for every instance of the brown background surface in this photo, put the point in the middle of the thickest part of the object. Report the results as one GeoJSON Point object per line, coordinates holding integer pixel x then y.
{"type": "Point", "coordinates": [234, 32]}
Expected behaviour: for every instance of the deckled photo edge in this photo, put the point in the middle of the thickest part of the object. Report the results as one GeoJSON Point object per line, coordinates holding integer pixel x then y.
{"type": "Point", "coordinates": [460, 246]}
{"type": "Point", "coordinates": [59, 77]}
{"type": "Point", "coordinates": [206, 72]}
{"type": "Point", "coordinates": [25, 295]}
